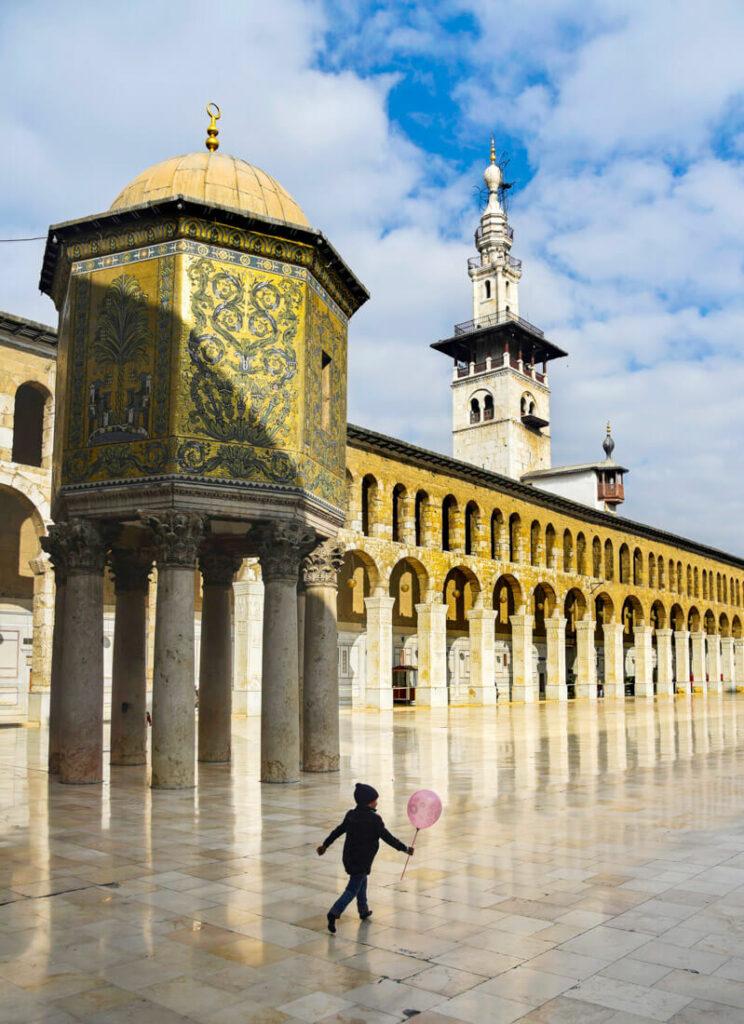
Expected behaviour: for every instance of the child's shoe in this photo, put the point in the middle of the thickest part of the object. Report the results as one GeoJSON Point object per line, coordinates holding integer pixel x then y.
{"type": "Point", "coordinates": [365, 914]}
{"type": "Point", "coordinates": [331, 922]}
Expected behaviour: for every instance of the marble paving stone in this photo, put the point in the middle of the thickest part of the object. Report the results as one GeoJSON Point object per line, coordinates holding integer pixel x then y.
{"type": "Point", "coordinates": [556, 888]}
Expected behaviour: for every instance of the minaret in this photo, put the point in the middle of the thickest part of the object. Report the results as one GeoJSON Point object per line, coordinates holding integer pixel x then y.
{"type": "Point", "coordinates": [500, 393]}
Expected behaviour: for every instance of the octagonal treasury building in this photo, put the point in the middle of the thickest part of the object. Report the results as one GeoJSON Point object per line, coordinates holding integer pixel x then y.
{"type": "Point", "coordinates": [207, 518]}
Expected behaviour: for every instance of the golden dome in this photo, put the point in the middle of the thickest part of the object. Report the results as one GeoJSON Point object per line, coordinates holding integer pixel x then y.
{"type": "Point", "coordinates": [213, 178]}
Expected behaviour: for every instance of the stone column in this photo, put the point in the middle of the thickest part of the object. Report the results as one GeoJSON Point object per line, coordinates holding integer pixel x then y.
{"type": "Point", "coordinates": [524, 687]}
{"type": "Point", "coordinates": [281, 547]}
{"type": "Point", "coordinates": [714, 664]}
{"type": "Point", "coordinates": [80, 735]}
{"type": "Point", "coordinates": [177, 538]}
{"type": "Point", "coordinates": [43, 628]}
{"type": "Point", "coordinates": [614, 660]}
{"type": "Point", "coordinates": [644, 664]}
{"type": "Point", "coordinates": [131, 571]}
{"type": "Point", "coordinates": [555, 660]}
{"type": "Point", "coordinates": [739, 663]}
{"type": "Point", "coordinates": [55, 545]}
{"type": "Point", "coordinates": [727, 663]}
{"type": "Point", "coordinates": [682, 661]}
{"type": "Point", "coordinates": [320, 746]}
{"type": "Point", "coordinates": [218, 567]}
{"type": "Point", "coordinates": [379, 683]}
{"type": "Point", "coordinates": [698, 662]}
{"type": "Point", "coordinates": [664, 678]}
{"type": "Point", "coordinates": [408, 520]}
{"type": "Point", "coordinates": [431, 683]}
{"type": "Point", "coordinates": [248, 619]}
{"type": "Point", "coordinates": [586, 662]}
{"type": "Point", "coordinates": [482, 658]}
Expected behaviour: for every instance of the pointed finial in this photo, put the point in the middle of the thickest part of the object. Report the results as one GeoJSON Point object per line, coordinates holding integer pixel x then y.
{"type": "Point", "coordinates": [212, 142]}
{"type": "Point", "coordinates": [608, 444]}
{"type": "Point", "coordinates": [493, 149]}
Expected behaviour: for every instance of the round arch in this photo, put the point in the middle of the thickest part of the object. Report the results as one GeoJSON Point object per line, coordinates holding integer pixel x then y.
{"type": "Point", "coordinates": [658, 615]}
{"type": "Point", "coordinates": [677, 617]}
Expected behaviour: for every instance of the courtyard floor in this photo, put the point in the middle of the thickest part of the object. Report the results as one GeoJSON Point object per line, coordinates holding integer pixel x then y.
{"type": "Point", "coordinates": [589, 866]}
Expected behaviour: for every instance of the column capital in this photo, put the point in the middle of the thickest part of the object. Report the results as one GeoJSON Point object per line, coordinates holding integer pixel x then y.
{"type": "Point", "coordinates": [481, 615]}
{"type": "Point", "coordinates": [131, 568]}
{"type": "Point", "coordinates": [76, 546]}
{"type": "Point", "coordinates": [521, 619]}
{"type": "Point", "coordinates": [697, 634]}
{"type": "Point", "coordinates": [322, 566]}
{"type": "Point", "coordinates": [682, 634]}
{"type": "Point", "coordinates": [664, 633]}
{"type": "Point", "coordinates": [177, 536]}
{"type": "Point", "coordinates": [380, 602]}
{"type": "Point", "coordinates": [39, 565]}
{"type": "Point", "coordinates": [281, 548]}
{"type": "Point", "coordinates": [218, 566]}
{"type": "Point", "coordinates": [585, 625]}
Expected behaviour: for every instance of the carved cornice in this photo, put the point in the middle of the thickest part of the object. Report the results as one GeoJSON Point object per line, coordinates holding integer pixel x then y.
{"type": "Point", "coordinates": [176, 536]}
{"type": "Point", "coordinates": [131, 568]}
{"type": "Point", "coordinates": [281, 548]}
{"type": "Point", "coordinates": [218, 567]}
{"type": "Point", "coordinates": [322, 566]}
{"type": "Point", "coordinates": [76, 546]}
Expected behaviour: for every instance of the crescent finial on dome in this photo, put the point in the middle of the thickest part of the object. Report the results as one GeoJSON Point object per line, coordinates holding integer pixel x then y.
{"type": "Point", "coordinates": [212, 142]}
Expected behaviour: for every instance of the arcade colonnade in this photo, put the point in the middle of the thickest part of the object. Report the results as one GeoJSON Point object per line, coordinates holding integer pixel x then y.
{"type": "Point", "coordinates": [294, 735]}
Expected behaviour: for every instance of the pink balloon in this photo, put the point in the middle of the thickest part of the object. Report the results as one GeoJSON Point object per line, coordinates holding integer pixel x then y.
{"type": "Point", "coordinates": [424, 808]}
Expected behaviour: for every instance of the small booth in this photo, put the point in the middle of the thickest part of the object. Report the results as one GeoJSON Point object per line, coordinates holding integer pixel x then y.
{"type": "Point", "coordinates": [404, 684]}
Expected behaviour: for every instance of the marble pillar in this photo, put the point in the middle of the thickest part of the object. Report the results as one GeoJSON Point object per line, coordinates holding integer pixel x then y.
{"type": "Point", "coordinates": [644, 664]}
{"type": "Point", "coordinates": [586, 662]}
{"type": "Point", "coordinates": [739, 663]}
{"type": "Point", "coordinates": [614, 661]}
{"type": "Point", "coordinates": [281, 547]}
{"type": "Point", "coordinates": [131, 571]}
{"type": "Point", "coordinates": [177, 536]}
{"type": "Point", "coordinates": [524, 685]}
{"type": "Point", "coordinates": [55, 546]}
{"type": "Point", "coordinates": [378, 691]}
{"type": "Point", "coordinates": [80, 728]}
{"type": "Point", "coordinates": [664, 675]}
{"type": "Point", "coordinates": [728, 671]}
{"type": "Point", "coordinates": [43, 628]}
{"type": "Point", "coordinates": [713, 662]}
{"type": "Point", "coordinates": [320, 732]}
{"type": "Point", "coordinates": [482, 656]}
{"type": "Point", "coordinates": [431, 683]}
{"type": "Point", "coordinates": [248, 597]}
{"type": "Point", "coordinates": [555, 660]}
{"type": "Point", "coordinates": [218, 567]}
{"type": "Point", "coordinates": [681, 661]}
{"type": "Point", "coordinates": [699, 667]}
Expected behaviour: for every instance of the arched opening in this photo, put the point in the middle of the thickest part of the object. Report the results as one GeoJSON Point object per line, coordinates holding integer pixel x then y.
{"type": "Point", "coordinates": [597, 559]}
{"type": "Point", "coordinates": [690, 591]}
{"type": "Point", "coordinates": [515, 537]}
{"type": "Point", "coordinates": [609, 561]}
{"type": "Point", "coordinates": [461, 593]}
{"type": "Point", "coordinates": [705, 584]}
{"type": "Point", "coordinates": [736, 627]}
{"type": "Point", "coordinates": [488, 407]}
{"type": "Point", "coordinates": [637, 568]}
{"type": "Point", "coordinates": [680, 582]}
{"type": "Point", "coordinates": [497, 534]}
{"type": "Point", "coordinates": [28, 424]}
{"type": "Point", "coordinates": [369, 499]}
{"type": "Point", "coordinates": [696, 582]}
{"type": "Point", "coordinates": [624, 563]}
{"type": "Point", "coordinates": [660, 572]}
{"type": "Point", "coordinates": [550, 546]}
{"type": "Point", "coordinates": [487, 286]}
{"type": "Point", "coordinates": [535, 545]}
{"type": "Point", "coordinates": [358, 579]}
{"type": "Point", "coordinates": [657, 620]}
{"type": "Point", "coordinates": [408, 586]}
{"type": "Point", "coordinates": [399, 497]}
{"type": "Point", "coordinates": [472, 528]}
{"type": "Point", "coordinates": [475, 410]}
{"type": "Point", "coordinates": [652, 570]}
{"type": "Point", "coordinates": [567, 551]}
{"type": "Point", "coordinates": [507, 601]}
{"type": "Point", "coordinates": [574, 610]}
{"type": "Point", "coordinates": [604, 614]}
{"type": "Point", "coordinates": [581, 554]}
{"type": "Point", "coordinates": [672, 576]}
{"type": "Point", "coordinates": [420, 506]}
{"type": "Point", "coordinates": [632, 616]}
{"type": "Point", "coordinates": [449, 507]}
{"type": "Point", "coordinates": [543, 607]}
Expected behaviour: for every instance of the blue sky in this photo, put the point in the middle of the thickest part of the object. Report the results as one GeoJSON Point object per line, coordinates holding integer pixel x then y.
{"type": "Point", "coordinates": [623, 124]}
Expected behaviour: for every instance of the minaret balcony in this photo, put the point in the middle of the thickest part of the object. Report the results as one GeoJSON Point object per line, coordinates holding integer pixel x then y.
{"type": "Point", "coordinates": [495, 320]}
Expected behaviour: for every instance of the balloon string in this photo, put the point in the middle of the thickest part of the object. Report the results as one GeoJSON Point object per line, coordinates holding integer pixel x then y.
{"type": "Point", "coordinates": [409, 856]}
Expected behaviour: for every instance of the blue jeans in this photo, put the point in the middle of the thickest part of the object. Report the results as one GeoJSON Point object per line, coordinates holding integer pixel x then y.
{"type": "Point", "coordinates": [356, 887]}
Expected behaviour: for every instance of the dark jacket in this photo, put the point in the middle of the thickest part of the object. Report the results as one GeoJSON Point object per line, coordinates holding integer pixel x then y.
{"type": "Point", "coordinates": [364, 829]}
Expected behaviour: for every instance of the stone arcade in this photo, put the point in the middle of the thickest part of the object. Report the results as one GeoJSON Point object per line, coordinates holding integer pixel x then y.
{"type": "Point", "coordinates": [202, 463]}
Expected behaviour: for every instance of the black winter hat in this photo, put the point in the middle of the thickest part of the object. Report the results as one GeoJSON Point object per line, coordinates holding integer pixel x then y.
{"type": "Point", "coordinates": [364, 794]}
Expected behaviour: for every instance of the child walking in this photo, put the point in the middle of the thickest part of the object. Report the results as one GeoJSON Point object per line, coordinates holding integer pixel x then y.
{"type": "Point", "coordinates": [364, 829]}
